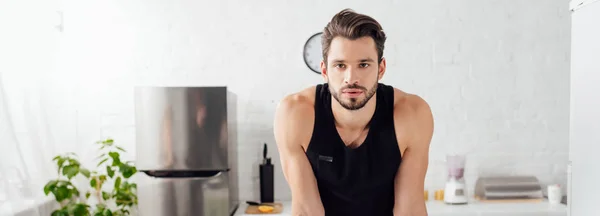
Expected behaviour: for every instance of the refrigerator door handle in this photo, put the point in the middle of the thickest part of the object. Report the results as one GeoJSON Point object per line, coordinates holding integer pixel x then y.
{"type": "Point", "coordinates": [185, 174]}
{"type": "Point", "coordinates": [219, 173]}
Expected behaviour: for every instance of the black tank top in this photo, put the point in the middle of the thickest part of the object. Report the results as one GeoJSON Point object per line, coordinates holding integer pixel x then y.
{"type": "Point", "coordinates": [355, 181]}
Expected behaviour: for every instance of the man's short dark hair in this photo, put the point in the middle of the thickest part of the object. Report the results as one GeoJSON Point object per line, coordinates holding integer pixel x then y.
{"type": "Point", "coordinates": [352, 25]}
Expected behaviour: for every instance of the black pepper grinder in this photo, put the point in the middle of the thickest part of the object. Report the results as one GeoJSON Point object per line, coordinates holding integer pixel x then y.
{"type": "Point", "coordinates": [266, 179]}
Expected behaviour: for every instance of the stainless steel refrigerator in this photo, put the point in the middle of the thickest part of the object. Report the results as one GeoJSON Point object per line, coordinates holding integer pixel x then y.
{"type": "Point", "coordinates": [186, 149]}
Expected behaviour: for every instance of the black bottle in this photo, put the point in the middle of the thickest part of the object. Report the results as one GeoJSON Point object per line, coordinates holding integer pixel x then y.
{"type": "Point", "coordinates": [266, 179]}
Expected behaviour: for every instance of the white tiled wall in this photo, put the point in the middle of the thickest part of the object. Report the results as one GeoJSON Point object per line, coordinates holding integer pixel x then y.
{"type": "Point", "coordinates": [496, 73]}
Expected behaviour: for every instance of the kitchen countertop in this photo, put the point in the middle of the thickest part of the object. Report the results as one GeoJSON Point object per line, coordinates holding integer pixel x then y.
{"type": "Point", "coordinates": [43, 205]}
{"type": "Point", "coordinates": [474, 208]}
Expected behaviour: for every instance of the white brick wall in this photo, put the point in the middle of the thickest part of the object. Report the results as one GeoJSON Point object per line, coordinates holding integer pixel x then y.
{"type": "Point", "coordinates": [496, 73]}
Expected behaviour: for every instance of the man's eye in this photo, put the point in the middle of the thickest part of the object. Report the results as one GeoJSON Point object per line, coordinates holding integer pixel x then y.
{"type": "Point", "coordinates": [339, 66]}
{"type": "Point", "coordinates": [364, 65]}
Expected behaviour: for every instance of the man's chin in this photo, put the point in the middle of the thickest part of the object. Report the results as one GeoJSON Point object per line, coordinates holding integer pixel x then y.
{"type": "Point", "coordinates": [352, 105]}
{"type": "Point", "coordinates": [353, 108]}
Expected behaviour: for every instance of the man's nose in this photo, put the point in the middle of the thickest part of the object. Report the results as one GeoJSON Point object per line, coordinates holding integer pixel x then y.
{"type": "Point", "coordinates": [351, 77]}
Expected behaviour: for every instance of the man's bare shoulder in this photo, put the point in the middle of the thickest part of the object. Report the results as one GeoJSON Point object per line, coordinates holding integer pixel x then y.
{"type": "Point", "coordinates": [294, 118]}
{"type": "Point", "coordinates": [410, 105]}
{"type": "Point", "coordinates": [299, 103]}
{"type": "Point", "coordinates": [412, 115]}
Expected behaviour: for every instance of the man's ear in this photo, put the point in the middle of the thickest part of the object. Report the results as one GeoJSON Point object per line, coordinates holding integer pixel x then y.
{"type": "Point", "coordinates": [382, 66]}
{"type": "Point", "coordinates": [324, 70]}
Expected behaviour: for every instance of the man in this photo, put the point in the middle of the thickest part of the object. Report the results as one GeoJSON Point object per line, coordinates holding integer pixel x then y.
{"type": "Point", "coordinates": [353, 146]}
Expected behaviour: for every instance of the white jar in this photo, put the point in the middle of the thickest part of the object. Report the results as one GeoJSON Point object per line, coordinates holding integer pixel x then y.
{"type": "Point", "coordinates": [554, 194]}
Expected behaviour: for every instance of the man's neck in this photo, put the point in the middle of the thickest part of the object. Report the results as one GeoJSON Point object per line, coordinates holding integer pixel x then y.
{"type": "Point", "coordinates": [353, 119]}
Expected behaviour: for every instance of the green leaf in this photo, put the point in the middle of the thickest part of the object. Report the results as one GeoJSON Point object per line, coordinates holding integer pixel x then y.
{"type": "Point", "coordinates": [74, 191]}
{"type": "Point", "coordinates": [60, 162]}
{"type": "Point", "coordinates": [105, 195]}
{"type": "Point", "coordinates": [100, 207]}
{"type": "Point", "coordinates": [101, 156]}
{"type": "Point", "coordinates": [110, 171]}
{"type": "Point", "coordinates": [107, 212]}
{"type": "Point", "coordinates": [85, 172]}
{"type": "Point", "coordinates": [127, 170]}
{"type": "Point", "coordinates": [120, 148]}
{"type": "Point", "coordinates": [70, 170]}
{"type": "Point", "coordinates": [118, 182]}
{"type": "Point", "coordinates": [61, 193]}
{"type": "Point", "coordinates": [73, 162]}
{"type": "Point", "coordinates": [133, 185]}
{"type": "Point", "coordinates": [115, 157]}
{"type": "Point", "coordinates": [102, 178]}
{"type": "Point", "coordinates": [119, 212]}
{"type": "Point", "coordinates": [79, 209]}
{"type": "Point", "coordinates": [87, 195]}
{"type": "Point", "coordinates": [50, 186]}
{"type": "Point", "coordinates": [132, 171]}
{"type": "Point", "coordinates": [93, 182]}
{"type": "Point", "coordinates": [102, 161]}
{"type": "Point", "coordinates": [108, 141]}
{"type": "Point", "coordinates": [56, 158]}
{"type": "Point", "coordinates": [60, 212]}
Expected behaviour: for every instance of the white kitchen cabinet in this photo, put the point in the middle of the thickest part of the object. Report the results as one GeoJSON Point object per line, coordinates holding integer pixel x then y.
{"type": "Point", "coordinates": [584, 179]}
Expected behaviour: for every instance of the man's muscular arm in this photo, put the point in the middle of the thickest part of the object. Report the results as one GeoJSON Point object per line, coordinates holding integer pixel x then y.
{"type": "Point", "coordinates": [294, 119]}
{"type": "Point", "coordinates": [414, 123]}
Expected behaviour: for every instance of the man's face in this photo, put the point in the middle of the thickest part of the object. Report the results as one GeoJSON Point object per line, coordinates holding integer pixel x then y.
{"type": "Point", "coordinates": [352, 71]}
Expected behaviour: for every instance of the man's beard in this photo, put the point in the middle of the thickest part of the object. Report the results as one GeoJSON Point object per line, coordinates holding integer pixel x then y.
{"type": "Point", "coordinates": [354, 103]}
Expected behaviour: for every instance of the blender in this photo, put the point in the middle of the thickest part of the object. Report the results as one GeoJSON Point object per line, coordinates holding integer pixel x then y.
{"type": "Point", "coordinates": [455, 191]}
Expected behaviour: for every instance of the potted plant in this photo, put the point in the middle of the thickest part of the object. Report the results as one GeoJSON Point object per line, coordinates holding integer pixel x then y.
{"type": "Point", "coordinates": [97, 199]}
